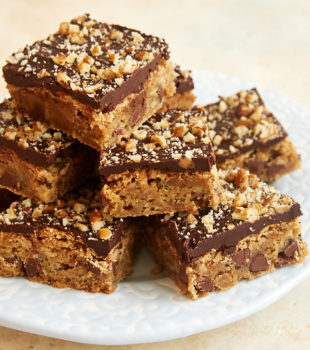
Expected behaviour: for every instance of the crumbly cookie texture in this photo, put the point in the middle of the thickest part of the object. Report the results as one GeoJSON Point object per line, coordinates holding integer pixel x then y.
{"type": "Point", "coordinates": [39, 162]}
{"type": "Point", "coordinates": [255, 230]}
{"type": "Point", "coordinates": [184, 97]}
{"type": "Point", "coordinates": [245, 134]}
{"type": "Point", "coordinates": [107, 76]}
{"type": "Point", "coordinates": [68, 243]}
{"type": "Point", "coordinates": [166, 166]}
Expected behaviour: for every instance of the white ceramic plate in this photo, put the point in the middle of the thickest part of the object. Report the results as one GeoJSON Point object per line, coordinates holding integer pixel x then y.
{"type": "Point", "coordinates": [146, 308]}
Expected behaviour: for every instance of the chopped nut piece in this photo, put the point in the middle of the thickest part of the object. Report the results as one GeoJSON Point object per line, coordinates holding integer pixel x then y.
{"type": "Point", "coordinates": [64, 28]}
{"type": "Point", "coordinates": [160, 140]}
{"type": "Point", "coordinates": [96, 220]}
{"type": "Point", "coordinates": [60, 59]}
{"type": "Point", "coordinates": [191, 218]}
{"type": "Point", "coordinates": [208, 221]}
{"type": "Point", "coordinates": [96, 50]}
{"type": "Point", "coordinates": [241, 130]}
{"type": "Point", "coordinates": [140, 134]}
{"type": "Point", "coordinates": [189, 137]}
{"type": "Point", "coordinates": [63, 79]}
{"type": "Point", "coordinates": [135, 158]}
{"type": "Point", "coordinates": [222, 106]}
{"type": "Point", "coordinates": [79, 207]}
{"type": "Point", "coordinates": [81, 227]}
{"type": "Point", "coordinates": [104, 233]}
{"type": "Point", "coordinates": [179, 130]}
{"type": "Point", "coordinates": [130, 146]}
{"type": "Point", "coordinates": [217, 140]}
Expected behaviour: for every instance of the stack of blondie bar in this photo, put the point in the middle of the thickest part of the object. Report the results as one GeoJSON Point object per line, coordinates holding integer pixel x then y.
{"type": "Point", "coordinates": [103, 152]}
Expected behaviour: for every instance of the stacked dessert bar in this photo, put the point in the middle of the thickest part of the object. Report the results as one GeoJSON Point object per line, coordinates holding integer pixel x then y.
{"type": "Point", "coordinates": [101, 152]}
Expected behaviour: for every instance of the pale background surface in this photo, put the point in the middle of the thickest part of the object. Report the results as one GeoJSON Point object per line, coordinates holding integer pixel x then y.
{"type": "Point", "coordinates": [265, 41]}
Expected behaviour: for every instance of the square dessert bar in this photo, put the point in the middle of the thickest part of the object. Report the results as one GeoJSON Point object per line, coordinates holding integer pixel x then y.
{"type": "Point", "coordinates": [95, 81]}
{"type": "Point", "coordinates": [245, 134]}
{"type": "Point", "coordinates": [68, 243]}
{"type": "Point", "coordinates": [184, 97]}
{"type": "Point", "coordinates": [39, 162]}
{"type": "Point", "coordinates": [256, 230]}
{"type": "Point", "coordinates": [167, 165]}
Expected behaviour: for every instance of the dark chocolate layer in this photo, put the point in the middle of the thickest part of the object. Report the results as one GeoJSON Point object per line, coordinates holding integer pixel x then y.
{"type": "Point", "coordinates": [192, 248]}
{"type": "Point", "coordinates": [6, 198]}
{"type": "Point", "coordinates": [173, 141]}
{"type": "Point", "coordinates": [199, 163]}
{"type": "Point", "coordinates": [117, 63]}
{"type": "Point", "coordinates": [65, 215]}
{"type": "Point", "coordinates": [40, 157]}
{"type": "Point", "coordinates": [32, 141]}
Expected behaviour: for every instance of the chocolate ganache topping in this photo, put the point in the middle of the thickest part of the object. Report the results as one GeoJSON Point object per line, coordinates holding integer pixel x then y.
{"type": "Point", "coordinates": [241, 123]}
{"type": "Point", "coordinates": [97, 63]}
{"type": "Point", "coordinates": [172, 141]}
{"type": "Point", "coordinates": [78, 214]}
{"type": "Point", "coordinates": [32, 140]}
{"type": "Point", "coordinates": [250, 206]}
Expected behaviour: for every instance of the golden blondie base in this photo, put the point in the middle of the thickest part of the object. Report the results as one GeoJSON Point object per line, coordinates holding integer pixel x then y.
{"type": "Point", "coordinates": [269, 164]}
{"type": "Point", "coordinates": [145, 192]}
{"type": "Point", "coordinates": [219, 270]}
{"type": "Point", "coordinates": [90, 126]}
{"type": "Point", "coordinates": [45, 184]}
{"type": "Point", "coordinates": [182, 101]}
{"type": "Point", "coordinates": [53, 257]}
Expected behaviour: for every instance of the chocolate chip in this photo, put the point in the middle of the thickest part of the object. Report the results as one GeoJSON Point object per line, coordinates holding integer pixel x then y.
{"type": "Point", "coordinates": [182, 274]}
{"type": "Point", "coordinates": [92, 268]}
{"type": "Point", "coordinates": [288, 253]}
{"type": "Point", "coordinates": [103, 200]}
{"type": "Point", "coordinates": [240, 257]}
{"type": "Point", "coordinates": [32, 267]}
{"type": "Point", "coordinates": [259, 263]}
{"type": "Point", "coordinates": [205, 285]}
{"type": "Point", "coordinates": [139, 106]}
{"type": "Point", "coordinates": [255, 166]}
{"type": "Point", "coordinates": [114, 267]}
{"type": "Point", "coordinates": [160, 92]}
{"type": "Point", "coordinates": [290, 249]}
{"type": "Point", "coordinates": [274, 170]}
{"type": "Point", "coordinates": [229, 251]}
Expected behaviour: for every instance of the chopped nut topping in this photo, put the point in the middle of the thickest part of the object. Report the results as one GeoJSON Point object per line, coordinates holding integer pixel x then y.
{"type": "Point", "coordinates": [79, 212]}
{"type": "Point", "coordinates": [27, 133]}
{"type": "Point", "coordinates": [114, 53]}
{"type": "Point", "coordinates": [246, 200]}
{"type": "Point", "coordinates": [178, 135]}
{"type": "Point", "coordinates": [238, 121]}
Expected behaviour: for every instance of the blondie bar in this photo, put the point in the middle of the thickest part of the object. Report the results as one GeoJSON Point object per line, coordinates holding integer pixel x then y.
{"type": "Point", "coordinates": [68, 243]}
{"type": "Point", "coordinates": [245, 134]}
{"type": "Point", "coordinates": [256, 230]}
{"type": "Point", "coordinates": [39, 162]}
{"type": "Point", "coordinates": [167, 165]}
{"type": "Point", "coordinates": [95, 81]}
